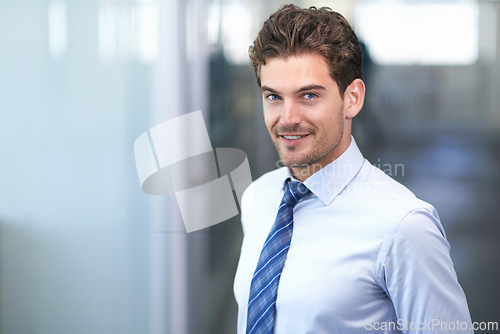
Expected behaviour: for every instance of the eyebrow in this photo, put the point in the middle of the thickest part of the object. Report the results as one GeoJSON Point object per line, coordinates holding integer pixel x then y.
{"type": "Point", "coordinates": [300, 90]}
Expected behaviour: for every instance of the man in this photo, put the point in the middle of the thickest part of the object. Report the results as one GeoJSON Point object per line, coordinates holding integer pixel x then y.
{"type": "Point", "coordinates": [332, 244]}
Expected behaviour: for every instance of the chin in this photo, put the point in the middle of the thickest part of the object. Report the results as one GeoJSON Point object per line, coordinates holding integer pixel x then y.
{"type": "Point", "coordinates": [294, 162]}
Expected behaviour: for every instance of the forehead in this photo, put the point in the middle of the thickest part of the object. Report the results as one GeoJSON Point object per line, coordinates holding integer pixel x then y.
{"type": "Point", "coordinates": [295, 71]}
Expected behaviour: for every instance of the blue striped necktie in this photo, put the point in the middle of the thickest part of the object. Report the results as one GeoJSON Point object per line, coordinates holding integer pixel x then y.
{"type": "Point", "coordinates": [262, 300]}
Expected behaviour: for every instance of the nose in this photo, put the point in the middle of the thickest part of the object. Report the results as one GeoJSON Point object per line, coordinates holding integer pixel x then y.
{"type": "Point", "coordinates": [291, 113]}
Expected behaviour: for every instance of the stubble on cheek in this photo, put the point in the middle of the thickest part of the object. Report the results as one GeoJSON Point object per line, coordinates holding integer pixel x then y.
{"type": "Point", "coordinates": [314, 152]}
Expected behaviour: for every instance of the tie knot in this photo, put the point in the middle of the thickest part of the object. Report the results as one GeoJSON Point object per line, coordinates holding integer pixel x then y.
{"type": "Point", "coordinates": [294, 192]}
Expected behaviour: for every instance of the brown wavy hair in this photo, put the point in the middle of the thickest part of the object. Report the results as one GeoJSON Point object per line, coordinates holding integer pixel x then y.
{"type": "Point", "coordinates": [293, 31]}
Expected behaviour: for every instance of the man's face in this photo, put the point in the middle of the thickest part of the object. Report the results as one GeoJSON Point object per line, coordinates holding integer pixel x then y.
{"type": "Point", "coordinates": [303, 110]}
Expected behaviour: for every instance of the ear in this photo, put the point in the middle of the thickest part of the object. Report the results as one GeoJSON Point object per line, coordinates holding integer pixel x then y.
{"type": "Point", "coordinates": [354, 97]}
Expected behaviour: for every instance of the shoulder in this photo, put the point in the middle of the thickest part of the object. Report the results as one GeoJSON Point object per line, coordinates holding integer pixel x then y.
{"type": "Point", "coordinates": [412, 229]}
{"type": "Point", "coordinates": [386, 208]}
{"type": "Point", "coordinates": [388, 194]}
{"type": "Point", "coordinates": [269, 182]}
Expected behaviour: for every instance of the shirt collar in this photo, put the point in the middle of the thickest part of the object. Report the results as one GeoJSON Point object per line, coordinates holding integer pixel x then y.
{"type": "Point", "coordinates": [329, 181]}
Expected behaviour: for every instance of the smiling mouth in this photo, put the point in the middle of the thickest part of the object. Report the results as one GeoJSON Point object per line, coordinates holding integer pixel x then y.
{"type": "Point", "coordinates": [293, 137]}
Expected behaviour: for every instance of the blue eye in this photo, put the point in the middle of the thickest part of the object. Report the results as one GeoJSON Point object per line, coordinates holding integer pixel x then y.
{"type": "Point", "coordinates": [309, 96]}
{"type": "Point", "coordinates": [273, 97]}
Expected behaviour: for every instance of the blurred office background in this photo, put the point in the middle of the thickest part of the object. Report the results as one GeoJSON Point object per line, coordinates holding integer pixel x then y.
{"type": "Point", "coordinates": [84, 250]}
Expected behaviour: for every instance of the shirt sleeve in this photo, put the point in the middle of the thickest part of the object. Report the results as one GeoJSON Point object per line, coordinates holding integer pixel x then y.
{"type": "Point", "coordinates": [419, 278]}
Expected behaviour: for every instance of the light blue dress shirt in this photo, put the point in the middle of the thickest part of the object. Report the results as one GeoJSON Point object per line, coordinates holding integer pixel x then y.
{"type": "Point", "coordinates": [366, 256]}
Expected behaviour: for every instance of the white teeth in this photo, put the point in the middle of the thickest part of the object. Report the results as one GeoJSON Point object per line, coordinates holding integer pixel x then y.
{"type": "Point", "coordinates": [293, 137]}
